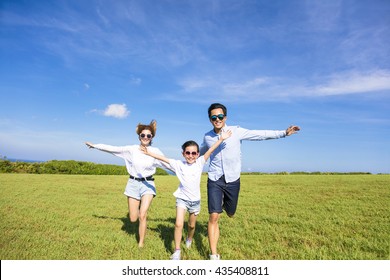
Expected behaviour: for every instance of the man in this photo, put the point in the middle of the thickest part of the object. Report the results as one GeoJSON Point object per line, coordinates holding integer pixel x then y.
{"type": "Point", "coordinates": [223, 184]}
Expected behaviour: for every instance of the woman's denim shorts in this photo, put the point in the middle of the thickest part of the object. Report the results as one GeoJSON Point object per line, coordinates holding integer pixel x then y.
{"type": "Point", "coordinates": [137, 189]}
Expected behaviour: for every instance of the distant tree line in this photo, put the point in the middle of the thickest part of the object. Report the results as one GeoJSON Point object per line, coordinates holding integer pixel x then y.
{"type": "Point", "coordinates": [307, 173]}
{"type": "Point", "coordinates": [90, 168]}
{"type": "Point", "coordinates": [65, 167]}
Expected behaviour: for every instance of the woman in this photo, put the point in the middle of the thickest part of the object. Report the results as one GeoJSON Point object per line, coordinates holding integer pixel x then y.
{"type": "Point", "coordinates": [140, 188]}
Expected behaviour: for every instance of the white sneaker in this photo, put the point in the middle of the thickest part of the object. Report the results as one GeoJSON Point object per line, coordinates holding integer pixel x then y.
{"type": "Point", "coordinates": [176, 256]}
{"type": "Point", "coordinates": [215, 257]}
{"type": "Point", "coordinates": [188, 243]}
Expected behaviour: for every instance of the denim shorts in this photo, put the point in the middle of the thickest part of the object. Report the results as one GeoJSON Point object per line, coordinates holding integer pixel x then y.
{"type": "Point", "coordinates": [222, 195]}
{"type": "Point", "coordinates": [137, 189]}
{"type": "Point", "coordinates": [190, 206]}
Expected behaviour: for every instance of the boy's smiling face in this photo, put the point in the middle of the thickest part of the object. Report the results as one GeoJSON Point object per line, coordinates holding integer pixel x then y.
{"type": "Point", "coordinates": [191, 154]}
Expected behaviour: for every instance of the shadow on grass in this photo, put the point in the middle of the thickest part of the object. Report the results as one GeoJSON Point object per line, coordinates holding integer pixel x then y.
{"type": "Point", "coordinates": [166, 232]}
{"type": "Point", "coordinates": [128, 227]}
{"type": "Point", "coordinates": [200, 232]}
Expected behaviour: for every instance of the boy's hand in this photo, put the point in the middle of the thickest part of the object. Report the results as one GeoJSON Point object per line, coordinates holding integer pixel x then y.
{"type": "Point", "coordinates": [143, 149]}
{"type": "Point", "coordinates": [226, 135]}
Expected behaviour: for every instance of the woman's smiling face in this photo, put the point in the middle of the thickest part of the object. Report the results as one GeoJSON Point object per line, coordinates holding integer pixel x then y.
{"type": "Point", "coordinates": [145, 137]}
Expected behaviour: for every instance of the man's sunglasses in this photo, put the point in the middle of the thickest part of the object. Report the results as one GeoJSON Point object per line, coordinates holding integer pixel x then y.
{"type": "Point", "coordinates": [146, 135]}
{"type": "Point", "coordinates": [190, 153]}
{"type": "Point", "coordinates": [215, 117]}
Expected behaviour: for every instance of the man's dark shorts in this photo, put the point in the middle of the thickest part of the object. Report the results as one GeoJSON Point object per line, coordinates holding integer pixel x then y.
{"type": "Point", "coordinates": [222, 195]}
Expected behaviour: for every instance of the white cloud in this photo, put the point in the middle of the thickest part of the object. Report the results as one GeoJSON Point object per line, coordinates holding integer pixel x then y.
{"type": "Point", "coordinates": [223, 88]}
{"type": "Point", "coordinates": [244, 87]}
{"type": "Point", "coordinates": [323, 15]}
{"type": "Point", "coordinates": [282, 88]}
{"type": "Point", "coordinates": [350, 83]}
{"type": "Point", "coordinates": [195, 84]}
{"type": "Point", "coordinates": [102, 17]}
{"type": "Point", "coordinates": [118, 111]}
{"type": "Point", "coordinates": [135, 81]}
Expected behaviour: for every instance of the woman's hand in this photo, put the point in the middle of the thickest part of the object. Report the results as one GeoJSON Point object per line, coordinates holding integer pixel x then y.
{"type": "Point", "coordinates": [89, 145]}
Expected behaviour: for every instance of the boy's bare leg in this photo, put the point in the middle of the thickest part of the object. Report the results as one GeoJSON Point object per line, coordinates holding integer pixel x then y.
{"type": "Point", "coordinates": [180, 213]}
{"type": "Point", "coordinates": [191, 225]}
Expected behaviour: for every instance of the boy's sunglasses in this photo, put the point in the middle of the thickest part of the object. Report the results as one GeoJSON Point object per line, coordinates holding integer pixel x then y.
{"type": "Point", "coordinates": [215, 117]}
{"type": "Point", "coordinates": [191, 153]}
{"type": "Point", "coordinates": [146, 135]}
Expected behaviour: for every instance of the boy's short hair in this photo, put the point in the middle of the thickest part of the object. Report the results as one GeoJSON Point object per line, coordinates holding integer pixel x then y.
{"type": "Point", "coordinates": [217, 106]}
{"type": "Point", "coordinates": [190, 143]}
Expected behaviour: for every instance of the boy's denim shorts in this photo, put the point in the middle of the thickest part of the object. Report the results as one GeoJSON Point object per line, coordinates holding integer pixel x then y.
{"type": "Point", "coordinates": [137, 189]}
{"type": "Point", "coordinates": [222, 195]}
{"type": "Point", "coordinates": [193, 207]}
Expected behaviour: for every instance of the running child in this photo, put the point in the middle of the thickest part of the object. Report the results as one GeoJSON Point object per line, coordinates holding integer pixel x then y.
{"type": "Point", "coordinates": [188, 194]}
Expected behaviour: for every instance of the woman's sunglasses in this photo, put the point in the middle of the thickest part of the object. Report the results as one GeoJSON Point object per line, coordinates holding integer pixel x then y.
{"type": "Point", "coordinates": [142, 135]}
{"type": "Point", "coordinates": [190, 153]}
{"type": "Point", "coordinates": [215, 117]}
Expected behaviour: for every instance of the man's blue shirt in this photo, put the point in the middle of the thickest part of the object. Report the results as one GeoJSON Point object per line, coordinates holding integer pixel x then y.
{"type": "Point", "coordinates": [226, 159]}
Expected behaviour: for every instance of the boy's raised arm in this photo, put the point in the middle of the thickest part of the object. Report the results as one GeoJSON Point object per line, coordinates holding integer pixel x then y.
{"type": "Point", "coordinates": [156, 156]}
{"type": "Point", "coordinates": [223, 136]}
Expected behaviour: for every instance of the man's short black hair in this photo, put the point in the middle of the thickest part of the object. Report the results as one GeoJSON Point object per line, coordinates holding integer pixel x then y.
{"type": "Point", "coordinates": [217, 106]}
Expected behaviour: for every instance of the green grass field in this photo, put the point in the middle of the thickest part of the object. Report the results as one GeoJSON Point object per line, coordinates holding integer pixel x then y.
{"type": "Point", "coordinates": [301, 217]}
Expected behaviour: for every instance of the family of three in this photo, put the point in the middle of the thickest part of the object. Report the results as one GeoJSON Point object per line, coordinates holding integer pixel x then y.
{"type": "Point", "coordinates": [223, 184]}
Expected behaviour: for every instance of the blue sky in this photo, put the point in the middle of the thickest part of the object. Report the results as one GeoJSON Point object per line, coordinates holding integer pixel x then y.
{"type": "Point", "coordinates": [76, 71]}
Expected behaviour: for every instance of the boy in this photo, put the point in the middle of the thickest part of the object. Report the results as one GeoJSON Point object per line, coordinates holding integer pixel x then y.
{"type": "Point", "coordinates": [188, 194]}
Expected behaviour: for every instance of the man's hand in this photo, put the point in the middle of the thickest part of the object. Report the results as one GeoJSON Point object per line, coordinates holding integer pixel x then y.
{"type": "Point", "coordinates": [292, 130]}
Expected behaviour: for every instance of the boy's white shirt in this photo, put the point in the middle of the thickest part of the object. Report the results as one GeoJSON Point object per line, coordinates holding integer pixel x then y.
{"type": "Point", "coordinates": [189, 176]}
